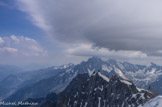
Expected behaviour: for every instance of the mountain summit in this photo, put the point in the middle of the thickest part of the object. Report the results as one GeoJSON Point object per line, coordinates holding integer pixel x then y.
{"type": "Point", "coordinates": [99, 90]}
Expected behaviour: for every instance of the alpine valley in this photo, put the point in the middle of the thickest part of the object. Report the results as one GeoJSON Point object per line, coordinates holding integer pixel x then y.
{"type": "Point", "coordinates": [92, 83]}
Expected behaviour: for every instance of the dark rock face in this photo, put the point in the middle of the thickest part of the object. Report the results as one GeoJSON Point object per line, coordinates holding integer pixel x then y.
{"type": "Point", "coordinates": [50, 100]}
{"type": "Point", "coordinates": [101, 91]}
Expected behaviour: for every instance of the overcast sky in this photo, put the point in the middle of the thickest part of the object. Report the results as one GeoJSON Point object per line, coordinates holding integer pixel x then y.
{"type": "Point", "coordinates": [62, 31]}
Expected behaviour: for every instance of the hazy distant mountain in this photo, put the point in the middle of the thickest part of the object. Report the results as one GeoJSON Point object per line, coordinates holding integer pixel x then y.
{"type": "Point", "coordinates": [24, 79]}
{"type": "Point", "coordinates": [6, 70]}
{"type": "Point", "coordinates": [9, 84]}
{"type": "Point", "coordinates": [31, 67]}
{"type": "Point", "coordinates": [3, 92]}
{"type": "Point", "coordinates": [157, 85]}
{"type": "Point", "coordinates": [34, 79]}
{"type": "Point", "coordinates": [141, 75]}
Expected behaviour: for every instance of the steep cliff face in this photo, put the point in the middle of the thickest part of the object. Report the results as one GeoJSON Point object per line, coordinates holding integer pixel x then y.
{"type": "Point", "coordinates": [99, 90]}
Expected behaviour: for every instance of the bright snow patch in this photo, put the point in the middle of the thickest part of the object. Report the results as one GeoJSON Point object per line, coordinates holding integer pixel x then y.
{"type": "Point", "coordinates": [55, 67]}
{"type": "Point", "coordinates": [65, 66]}
{"type": "Point", "coordinates": [134, 96]}
{"type": "Point", "coordinates": [90, 72]}
{"type": "Point", "coordinates": [104, 77]}
{"type": "Point", "coordinates": [105, 68]}
{"type": "Point", "coordinates": [153, 71]}
{"type": "Point", "coordinates": [99, 99]}
{"type": "Point", "coordinates": [68, 70]}
{"type": "Point", "coordinates": [120, 73]}
{"type": "Point", "coordinates": [155, 102]}
{"type": "Point", "coordinates": [126, 82]}
{"type": "Point", "coordinates": [85, 104]}
{"type": "Point", "coordinates": [139, 89]}
{"type": "Point", "coordinates": [142, 96]}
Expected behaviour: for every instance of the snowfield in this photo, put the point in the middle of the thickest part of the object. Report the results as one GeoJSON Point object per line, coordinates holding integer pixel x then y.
{"type": "Point", "coordinates": [155, 102]}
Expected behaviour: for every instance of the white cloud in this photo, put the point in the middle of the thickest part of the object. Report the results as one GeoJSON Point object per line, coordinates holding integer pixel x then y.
{"type": "Point", "coordinates": [89, 50]}
{"type": "Point", "coordinates": [21, 45]}
{"type": "Point", "coordinates": [8, 49]}
{"type": "Point", "coordinates": [13, 37]}
{"type": "Point", "coordinates": [115, 25]}
{"type": "Point", "coordinates": [1, 40]}
{"type": "Point", "coordinates": [31, 7]}
{"type": "Point", "coordinates": [124, 28]}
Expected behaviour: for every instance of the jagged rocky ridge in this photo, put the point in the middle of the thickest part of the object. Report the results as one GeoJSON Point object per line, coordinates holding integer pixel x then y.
{"type": "Point", "coordinates": [99, 90]}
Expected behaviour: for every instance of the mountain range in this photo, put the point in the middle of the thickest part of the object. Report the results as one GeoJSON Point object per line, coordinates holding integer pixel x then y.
{"type": "Point", "coordinates": [16, 81]}
{"type": "Point", "coordinates": [99, 90]}
{"type": "Point", "coordinates": [6, 70]}
{"type": "Point", "coordinates": [40, 84]}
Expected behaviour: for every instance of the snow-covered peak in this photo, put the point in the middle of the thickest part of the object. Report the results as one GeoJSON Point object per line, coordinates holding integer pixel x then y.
{"type": "Point", "coordinates": [155, 102]}
{"type": "Point", "coordinates": [141, 75]}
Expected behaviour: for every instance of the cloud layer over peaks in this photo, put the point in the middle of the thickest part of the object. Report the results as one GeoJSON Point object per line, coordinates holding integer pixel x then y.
{"type": "Point", "coordinates": [122, 25]}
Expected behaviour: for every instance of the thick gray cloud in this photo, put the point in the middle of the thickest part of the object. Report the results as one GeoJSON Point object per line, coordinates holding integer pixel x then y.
{"type": "Point", "coordinates": [113, 24]}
